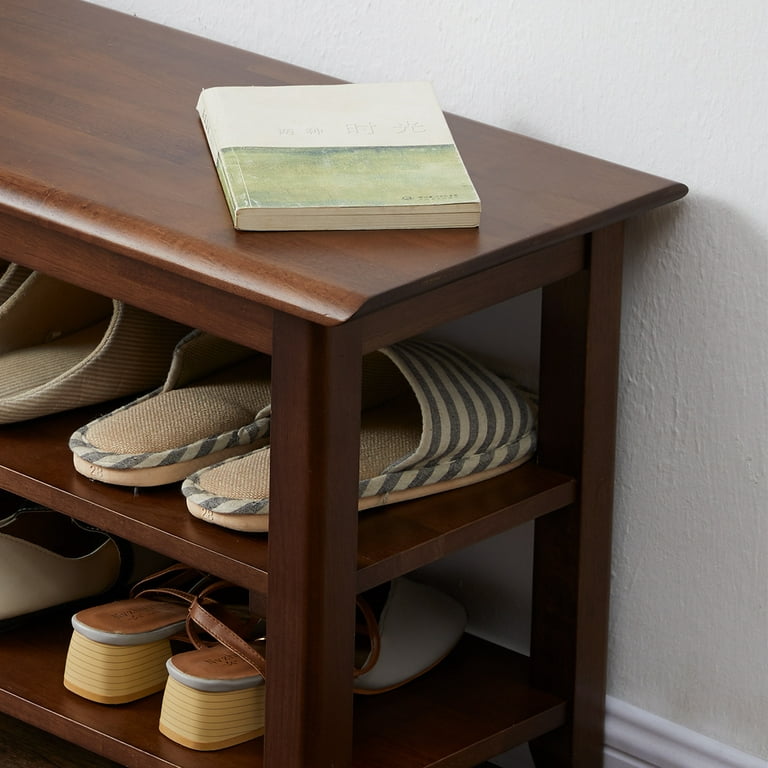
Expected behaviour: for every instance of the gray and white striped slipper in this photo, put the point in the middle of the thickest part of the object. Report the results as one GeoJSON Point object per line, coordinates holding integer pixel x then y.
{"type": "Point", "coordinates": [454, 424]}
{"type": "Point", "coordinates": [214, 404]}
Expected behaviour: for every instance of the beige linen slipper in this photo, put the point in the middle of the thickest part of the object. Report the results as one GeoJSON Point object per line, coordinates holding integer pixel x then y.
{"type": "Point", "coordinates": [48, 560]}
{"type": "Point", "coordinates": [449, 422]}
{"type": "Point", "coordinates": [62, 347]}
{"type": "Point", "coordinates": [214, 404]}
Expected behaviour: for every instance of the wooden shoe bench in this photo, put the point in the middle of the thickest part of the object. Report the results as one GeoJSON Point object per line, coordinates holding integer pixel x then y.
{"type": "Point", "coordinates": [106, 182]}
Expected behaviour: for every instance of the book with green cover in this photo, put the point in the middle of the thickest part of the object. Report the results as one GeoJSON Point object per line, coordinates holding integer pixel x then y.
{"type": "Point", "coordinates": [347, 156]}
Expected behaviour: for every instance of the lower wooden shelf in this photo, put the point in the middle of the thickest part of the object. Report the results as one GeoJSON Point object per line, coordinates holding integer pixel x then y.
{"type": "Point", "coordinates": [475, 704]}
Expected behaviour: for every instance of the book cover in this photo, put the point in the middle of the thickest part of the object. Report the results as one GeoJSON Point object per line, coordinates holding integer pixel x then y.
{"type": "Point", "coordinates": [348, 156]}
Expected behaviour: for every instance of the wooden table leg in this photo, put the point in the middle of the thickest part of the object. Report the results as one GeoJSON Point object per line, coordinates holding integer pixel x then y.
{"type": "Point", "coordinates": [572, 550]}
{"type": "Point", "coordinates": [312, 545]}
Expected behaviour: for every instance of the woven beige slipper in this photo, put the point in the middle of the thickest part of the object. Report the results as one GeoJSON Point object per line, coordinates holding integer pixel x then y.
{"type": "Point", "coordinates": [214, 404]}
{"type": "Point", "coordinates": [456, 423]}
{"type": "Point", "coordinates": [62, 347]}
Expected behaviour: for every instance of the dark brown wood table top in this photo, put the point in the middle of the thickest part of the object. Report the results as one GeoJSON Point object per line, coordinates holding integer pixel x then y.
{"type": "Point", "coordinates": [100, 140]}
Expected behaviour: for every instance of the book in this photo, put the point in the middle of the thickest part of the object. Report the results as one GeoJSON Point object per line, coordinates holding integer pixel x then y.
{"type": "Point", "coordinates": [346, 156]}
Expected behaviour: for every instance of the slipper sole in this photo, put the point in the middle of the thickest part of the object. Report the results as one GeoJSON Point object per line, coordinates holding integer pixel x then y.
{"type": "Point", "coordinates": [149, 477]}
{"type": "Point", "coordinates": [259, 523]}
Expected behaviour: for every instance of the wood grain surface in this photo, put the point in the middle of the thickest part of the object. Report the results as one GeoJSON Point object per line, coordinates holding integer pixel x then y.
{"type": "Point", "coordinates": [23, 746]}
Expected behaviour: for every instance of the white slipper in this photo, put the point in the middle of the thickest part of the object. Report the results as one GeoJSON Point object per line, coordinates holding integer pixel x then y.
{"type": "Point", "coordinates": [417, 627]}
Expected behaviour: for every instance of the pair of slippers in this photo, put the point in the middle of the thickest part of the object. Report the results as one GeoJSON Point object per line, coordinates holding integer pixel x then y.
{"type": "Point", "coordinates": [213, 695]}
{"type": "Point", "coordinates": [433, 419]}
{"type": "Point", "coordinates": [62, 347]}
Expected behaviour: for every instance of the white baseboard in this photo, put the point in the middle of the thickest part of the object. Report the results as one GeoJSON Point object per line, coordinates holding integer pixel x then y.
{"type": "Point", "coordinates": [635, 738]}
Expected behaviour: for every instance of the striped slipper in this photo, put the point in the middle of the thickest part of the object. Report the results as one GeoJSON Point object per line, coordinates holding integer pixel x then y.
{"type": "Point", "coordinates": [214, 404]}
{"type": "Point", "coordinates": [454, 424]}
{"type": "Point", "coordinates": [62, 347]}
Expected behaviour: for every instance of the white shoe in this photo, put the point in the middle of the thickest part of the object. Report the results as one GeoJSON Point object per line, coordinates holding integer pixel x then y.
{"type": "Point", "coordinates": [417, 628]}
{"type": "Point", "coordinates": [48, 559]}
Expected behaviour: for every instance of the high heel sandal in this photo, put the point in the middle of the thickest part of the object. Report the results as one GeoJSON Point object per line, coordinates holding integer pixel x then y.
{"type": "Point", "coordinates": [215, 695]}
{"type": "Point", "coordinates": [118, 650]}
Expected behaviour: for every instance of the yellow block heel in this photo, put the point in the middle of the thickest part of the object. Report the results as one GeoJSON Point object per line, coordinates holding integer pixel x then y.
{"type": "Point", "coordinates": [115, 674]}
{"type": "Point", "coordinates": [118, 650]}
{"type": "Point", "coordinates": [209, 720]}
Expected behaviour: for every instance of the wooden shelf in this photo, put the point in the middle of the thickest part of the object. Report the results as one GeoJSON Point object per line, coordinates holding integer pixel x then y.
{"type": "Point", "coordinates": [457, 711]}
{"type": "Point", "coordinates": [400, 538]}
{"type": "Point", "coordinates": [457, 714]}
{"type": "Point", "coordinates": [36, 463]}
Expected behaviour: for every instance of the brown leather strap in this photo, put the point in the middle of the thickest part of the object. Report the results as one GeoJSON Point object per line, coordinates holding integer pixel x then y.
{"type": "Point", "coordinates": [371, 631]}
{"type": "Point", "coordinates": [171, 577]}
{"type": "Point", "coordinates": [200, 617]}
{"type": "Point", "coordinates": [165, 593]}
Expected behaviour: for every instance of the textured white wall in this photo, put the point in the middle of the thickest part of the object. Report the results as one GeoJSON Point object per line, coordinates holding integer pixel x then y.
{"type": "Point", "coordinates": [675, 89]}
